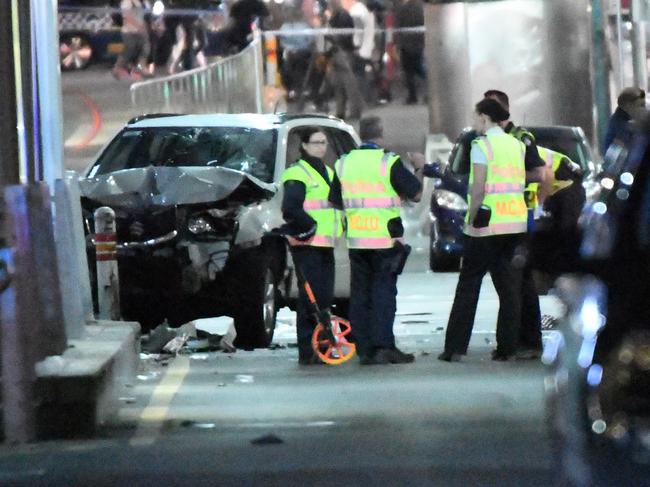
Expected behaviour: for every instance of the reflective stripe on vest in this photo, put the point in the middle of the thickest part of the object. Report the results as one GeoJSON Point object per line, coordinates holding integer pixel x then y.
{"type": "Point", "coordinates": [373, 242]}
{"type": "Point", "coordinates": [498, 229]}
{"type": "Point", "coordinates": [372, 202]}
{"type": "Point", "coordinates": [315, 241]}
{"type": "Point", "coordinates": [316, 205]}
{"type": "Point", "coordinates": [498, 188]}
{"type": "Point", "coordinates": [368, 197]}
{"type": "Point", "coordinates": [505, 179]}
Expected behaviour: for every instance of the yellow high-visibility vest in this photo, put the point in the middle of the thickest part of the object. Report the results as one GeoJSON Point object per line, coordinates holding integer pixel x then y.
{"type": "Point", "coordinates": [504, 186]}
{"type": "Point", "coordinates": [369, 199]}
{"type": "Point", "coordinates": [328, 219]}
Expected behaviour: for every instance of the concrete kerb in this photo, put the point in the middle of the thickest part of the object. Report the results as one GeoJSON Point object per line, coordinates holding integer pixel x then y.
{"type": "Point", "coordinates": [79, 390]}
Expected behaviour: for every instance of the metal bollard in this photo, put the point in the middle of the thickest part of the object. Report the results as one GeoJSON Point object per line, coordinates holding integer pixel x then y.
{"type": "Point", "coordinates": [108, 288]}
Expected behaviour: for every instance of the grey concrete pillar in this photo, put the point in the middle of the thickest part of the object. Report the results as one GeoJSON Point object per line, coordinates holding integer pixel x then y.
{"type": "Point", "coordinates": [568, 67]}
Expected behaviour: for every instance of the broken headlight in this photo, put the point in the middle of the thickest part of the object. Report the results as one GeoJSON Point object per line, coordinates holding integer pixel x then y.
{"type": "Point", "coordinates": [199, 225]}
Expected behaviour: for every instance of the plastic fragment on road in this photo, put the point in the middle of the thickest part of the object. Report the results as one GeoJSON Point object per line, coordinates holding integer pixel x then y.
{"type": "Point", "coordinates": [158, 338]}
{"type": "Point", "coordinates": [174, 345]}
{"type": "Point", "coordinates": [199, 356]}
{"type": "Point", "coordinates": [244, 379]}
{"type": "Point", "coordinates": [188, 423]}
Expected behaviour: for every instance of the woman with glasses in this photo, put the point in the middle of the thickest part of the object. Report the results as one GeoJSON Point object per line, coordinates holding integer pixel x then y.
{"type": "Point", "coordinates": [313, 224]}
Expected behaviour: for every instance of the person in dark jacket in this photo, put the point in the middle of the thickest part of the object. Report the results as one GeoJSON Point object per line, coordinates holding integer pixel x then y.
{"type": "Point", "coordinates": [313, 224]}
{"type": "Point", "coordinates": [242, 14]}
{"type": "Point", "coordinates": [340, 75]}
{"type": "Point", "coordinates": [410, 13]}
{"type": "Point", "coordinates": [631, 103]}
{"type": "Point", "coordinates": [373, 182]}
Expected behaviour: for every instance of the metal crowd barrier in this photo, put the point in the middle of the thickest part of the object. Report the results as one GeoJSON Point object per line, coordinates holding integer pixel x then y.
{"type": "Point", "coordinates": [230, 85]}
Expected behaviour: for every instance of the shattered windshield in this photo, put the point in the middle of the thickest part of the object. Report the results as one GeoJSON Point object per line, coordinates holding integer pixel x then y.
{"type": "Point", "coordinates": [245, 149]}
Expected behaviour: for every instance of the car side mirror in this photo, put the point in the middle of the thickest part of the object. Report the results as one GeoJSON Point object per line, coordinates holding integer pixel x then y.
{"type": "Point", "coordinates": [434, 170]}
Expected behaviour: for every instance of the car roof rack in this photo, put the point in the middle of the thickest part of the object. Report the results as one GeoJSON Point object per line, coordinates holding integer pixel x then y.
{"type": "Point", "coordinates": [146, 116]}
{"type": "Point", "coordinates": [297, 116]}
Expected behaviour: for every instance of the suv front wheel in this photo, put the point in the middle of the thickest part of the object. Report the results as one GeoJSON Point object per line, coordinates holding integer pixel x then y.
{"type": "Point", "coordinates": [257, 300]}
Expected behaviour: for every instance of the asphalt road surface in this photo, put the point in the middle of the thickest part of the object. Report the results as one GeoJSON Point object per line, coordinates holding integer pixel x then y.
{"type": "Point", "coordinates": [258, 418]}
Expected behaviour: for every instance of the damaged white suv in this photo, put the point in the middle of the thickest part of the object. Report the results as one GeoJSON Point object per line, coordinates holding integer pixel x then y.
{"type": "Point", "coordinates": [194, 196]}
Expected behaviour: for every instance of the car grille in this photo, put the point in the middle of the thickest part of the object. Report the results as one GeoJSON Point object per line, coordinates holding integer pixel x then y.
{"type": "Point", "coordinates": [151, 222]}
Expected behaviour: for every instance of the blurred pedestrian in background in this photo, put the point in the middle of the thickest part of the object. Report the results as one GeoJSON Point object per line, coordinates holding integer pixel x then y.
{"type": "Point", "coordinates": [340, 76]}
{"type": "Point", "coordinates": [408, 14]}
{"type": "Point", "coordinates": [297, 50]}
{"type": "Point", "coordinates": [135, 38]}
{"type": "Point", "coordinates": [364, 46]}
{"type": "Point", "coordinates": [620, 127]}
{"type": "Point", "coordinates": [242, 15]}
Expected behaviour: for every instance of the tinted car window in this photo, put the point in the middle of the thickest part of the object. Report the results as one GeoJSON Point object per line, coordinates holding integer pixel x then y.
{"type": "Point", "coordinates": [564, 143]}
{"type": "Point", "coordinates": [344, 141]}
{"type": "Point", "coordinates": [459, 157]}
{"type": "Point", "coordinates": [244, 149]}
{"type": "Point", "coordinates": [560, 141]}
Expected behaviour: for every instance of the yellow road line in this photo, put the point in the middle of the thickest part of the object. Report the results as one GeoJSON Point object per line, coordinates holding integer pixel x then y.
{"type": "Point", "coordinates": [152, 417]}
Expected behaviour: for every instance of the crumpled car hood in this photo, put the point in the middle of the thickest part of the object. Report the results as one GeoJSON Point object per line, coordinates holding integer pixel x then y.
{"type": "Point", "coordinates": [158, 186]}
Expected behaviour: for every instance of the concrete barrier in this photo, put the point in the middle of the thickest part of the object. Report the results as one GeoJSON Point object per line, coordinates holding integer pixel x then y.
{"type": "Point", "coordinates": [32, 311]}
{"type": "Point", "coordinates": [62, 371]}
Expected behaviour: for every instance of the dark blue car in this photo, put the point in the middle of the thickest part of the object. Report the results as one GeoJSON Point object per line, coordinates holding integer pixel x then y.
{"type": "Point", "coordinates": [449, 198]}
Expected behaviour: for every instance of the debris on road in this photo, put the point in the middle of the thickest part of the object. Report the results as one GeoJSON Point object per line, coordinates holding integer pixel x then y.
{"type": "Point", "coordinates": [191, 337]}
{"type": "Point", "coordinates": [188, 423]}
{"type": "Point", "coordinates": [244, 379]}
{"type": "Point", "coordinates": [269, 439]}
{"type": "Point", "coordinates": [175, 344]}
{"type": "Point", "coordinates": [549, 322]}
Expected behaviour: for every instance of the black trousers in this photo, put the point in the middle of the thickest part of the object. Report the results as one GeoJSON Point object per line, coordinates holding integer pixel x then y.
{"type": "Point", "coordinates": [317, 266]}
{"type": "Point", "coordinates": [481, 255]}
{"type": "Point", "coordinates": [412, 66]}
{"type": "Point", "coordinates": [530, 333]}
{"type": "Point", "coordinates": [373, 299]}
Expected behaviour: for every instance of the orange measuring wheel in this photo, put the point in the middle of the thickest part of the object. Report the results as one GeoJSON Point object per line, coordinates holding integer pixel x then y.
{"type": "Point", "coordinates": [333, 353]}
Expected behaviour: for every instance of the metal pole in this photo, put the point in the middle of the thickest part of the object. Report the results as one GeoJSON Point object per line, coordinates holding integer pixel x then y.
{"type": "Point", "coordinates": [639, 55]}
{"type": "Point", "coordinates": [26, 93]}
{"type": "Point", "coordinates": [259, 72]}
{"type": "Point", "coordinates": [619, 43]}
{"type": "Point", "coordinates": [599, 69]}
{"type": "Point", "coordinates": [9, 173]}
{"type": "Point", "coordinates": [108, 290]}
{"type": "Point", "coordinates": [46, 41]}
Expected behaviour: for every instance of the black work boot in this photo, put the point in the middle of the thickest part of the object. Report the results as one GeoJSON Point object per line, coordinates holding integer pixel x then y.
{"type": "Point", "coordinates": [393, 356]}
{"type": "Point", "coordinates": [449, 357]}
